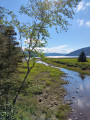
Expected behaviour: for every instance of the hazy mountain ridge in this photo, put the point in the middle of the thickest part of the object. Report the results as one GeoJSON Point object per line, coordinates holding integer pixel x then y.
{"type": "Point", "coordinates": [74, 53]}
{"type": "Point", "coordinates": [54, 54]}
{"type": "Point", "coordinates": [77, 52]}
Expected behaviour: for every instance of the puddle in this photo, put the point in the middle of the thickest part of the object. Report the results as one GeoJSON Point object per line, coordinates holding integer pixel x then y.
{"type": "Point", "coordinates": [78, 93]}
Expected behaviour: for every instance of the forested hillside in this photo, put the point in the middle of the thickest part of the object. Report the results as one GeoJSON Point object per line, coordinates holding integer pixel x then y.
{"type": "Point", "coordinates": [77, 52]}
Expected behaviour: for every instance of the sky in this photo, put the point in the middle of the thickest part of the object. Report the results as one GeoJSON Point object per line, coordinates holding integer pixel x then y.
{"type": "Point", "coordinates": [77, 36]}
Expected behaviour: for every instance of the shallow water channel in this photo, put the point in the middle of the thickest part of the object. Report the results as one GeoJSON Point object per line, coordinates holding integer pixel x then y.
{"type": "Point", "coordinates": [78, 93]}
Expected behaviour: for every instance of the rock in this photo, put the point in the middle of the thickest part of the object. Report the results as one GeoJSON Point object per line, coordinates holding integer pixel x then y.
{"type": "Point", "coordinates": [51, 105]}
{"type": "Point", "coordinates": [71, 112]}
{"type": "Point", "coordinates": [76, 91]}
{"type": "Point", "coordinates": [46, 96]}
{"type": "Point", "coordinates": [40, 100]}
{"type": "Point", "coordinates": [73, 97]}
{"type": "Point", "coordinates": [55, 103]}
{"type": "Point", "coordinates": [69, 102]}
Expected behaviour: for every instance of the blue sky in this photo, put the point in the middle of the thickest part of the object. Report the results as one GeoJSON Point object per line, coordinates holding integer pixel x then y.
{"type": "Point", "coordinates": [77, 36]}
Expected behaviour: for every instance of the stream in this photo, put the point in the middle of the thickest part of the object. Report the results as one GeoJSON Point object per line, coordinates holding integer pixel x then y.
{"type": "Point", "coordinates": [78, 93]}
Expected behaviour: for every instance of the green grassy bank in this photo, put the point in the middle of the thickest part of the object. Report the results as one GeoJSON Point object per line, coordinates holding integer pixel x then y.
{"type": "Point", "coordinates": [42, 97]}
{"type": "Point", "coordinates": [71, 63]}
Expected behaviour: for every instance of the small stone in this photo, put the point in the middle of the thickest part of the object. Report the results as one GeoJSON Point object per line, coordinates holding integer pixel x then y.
{"type": "Point", "coordinates": [76, 91]}
{"type": "Point", "coordinates": [55, 103]}
{"type": "Point", "coordinates": [71, 112]}
{"type": "Point", "coordinates": [40, 100]}
{"type": "Point", "coordinates": [73, 97]}
{"type": "Point", "coordinates": [51, 105]}
{"type": "Point", "coordinates": [46, 96]}
{"type": "Point", "coordinates": [69, 102]}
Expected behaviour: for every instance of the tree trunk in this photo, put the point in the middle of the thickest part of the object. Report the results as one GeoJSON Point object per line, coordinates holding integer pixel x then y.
{"type": "Point", "coordinates": [14, 101]}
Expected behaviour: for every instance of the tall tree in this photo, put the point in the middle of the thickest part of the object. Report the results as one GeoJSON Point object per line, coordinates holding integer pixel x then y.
{"type": "Point", "coordinates": [82, 57]}
{"type": "Point", "coordinates": [8, 63]}
{"type": "Point", "coordinates": [43, 14]}
{"type": "Point", "coordinates": [12, 49]}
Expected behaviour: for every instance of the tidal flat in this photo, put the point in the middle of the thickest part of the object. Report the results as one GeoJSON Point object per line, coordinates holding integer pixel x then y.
{"type": "Point", "coordinates": [42, 97]}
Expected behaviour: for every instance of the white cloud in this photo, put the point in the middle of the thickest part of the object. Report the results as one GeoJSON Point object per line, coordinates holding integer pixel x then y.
{"type": "Point", "coordinates": [59, 49]}
{"type": "Point", "coordinates": [81, 22]}
{"type": "Point", "coordinates": [88, 4]}
{"type": "Point", "coordinates": [81, 6]}
{"type": "Point", "coordinates": [88, 23]}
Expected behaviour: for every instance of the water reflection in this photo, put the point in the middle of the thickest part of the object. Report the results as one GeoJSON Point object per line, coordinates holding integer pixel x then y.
{"type": "Point", "coordinates": [82, 76]}
{"type": "Point", "coordinates": [79, 93]}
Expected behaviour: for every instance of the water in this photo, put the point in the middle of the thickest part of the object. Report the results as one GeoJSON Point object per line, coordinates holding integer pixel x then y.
{"type": "Point", "coordinates": [78, 93]}
{"type": "Point", "coordinates": [64, 56]}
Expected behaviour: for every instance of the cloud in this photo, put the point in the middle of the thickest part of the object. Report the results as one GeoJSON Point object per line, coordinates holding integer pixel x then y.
{"type": "Point", "coordinates": [88, 23]}
{"type": "Point", "coordinates": [81, 6]}
{"type": "Point", "coordinates": [88, 4]}
{"type": "Point", "coordinates": [81, 22]}
{"type": "Point", "coordinates": [59, 49]}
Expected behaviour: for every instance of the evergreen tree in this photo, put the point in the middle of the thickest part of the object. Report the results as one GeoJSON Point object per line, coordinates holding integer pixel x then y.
{"type": "Point", "coordinates": [12, 50]}
{"type": "Point", "coordinates": [82, 57]}
{"type": "Point", "coordinates": [8, 63]}
{"type": "Point", "coordinates": [3, 50]}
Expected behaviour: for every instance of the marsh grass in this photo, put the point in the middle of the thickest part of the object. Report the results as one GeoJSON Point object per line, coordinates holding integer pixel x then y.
{"type": "Point", "coordinates": [42, 94]}
{"type": "Point", "coordinates": [63, 109]}
{"type": "Point", "coordinates": [71, 63]}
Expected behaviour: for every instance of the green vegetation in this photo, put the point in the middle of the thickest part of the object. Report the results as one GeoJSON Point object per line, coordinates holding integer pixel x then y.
{"type": "Point", "coordinates": [8, 68]}
{"type": "Point", "coordinates": [42, 94]}
{"type": "Point", "coordinates": [82, 57]}
{"type": "Point", "coordinates": [19, 85]}
{"type": "Point", "coordinates": [63, 110]}
{"type": "Point", "coordinates": [71, 63]}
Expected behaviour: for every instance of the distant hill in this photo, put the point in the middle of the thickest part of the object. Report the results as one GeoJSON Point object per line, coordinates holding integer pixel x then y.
{"type": "Point", "coordinates": [77, 52]}
{"type": "Point", "coordinates": [54, 54]}
{"type": "Point", "coordinates": [47, 54]}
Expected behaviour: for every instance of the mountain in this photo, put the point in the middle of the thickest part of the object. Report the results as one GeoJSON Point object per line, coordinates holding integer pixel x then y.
{"type": "Point", "coordinates": [77, 52]}
{"type": "Point", "coordinates": [46, 54]}
{"type": "Point", "coordinates": [54, 54]}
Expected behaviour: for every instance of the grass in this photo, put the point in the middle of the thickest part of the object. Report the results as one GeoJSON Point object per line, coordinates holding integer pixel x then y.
{"type": "Point", "coordinates": [63, 109]}
{"type": "Point", "coordinates": [71, 63]}
{"type": "Point", "coordinates": [42, 95]}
